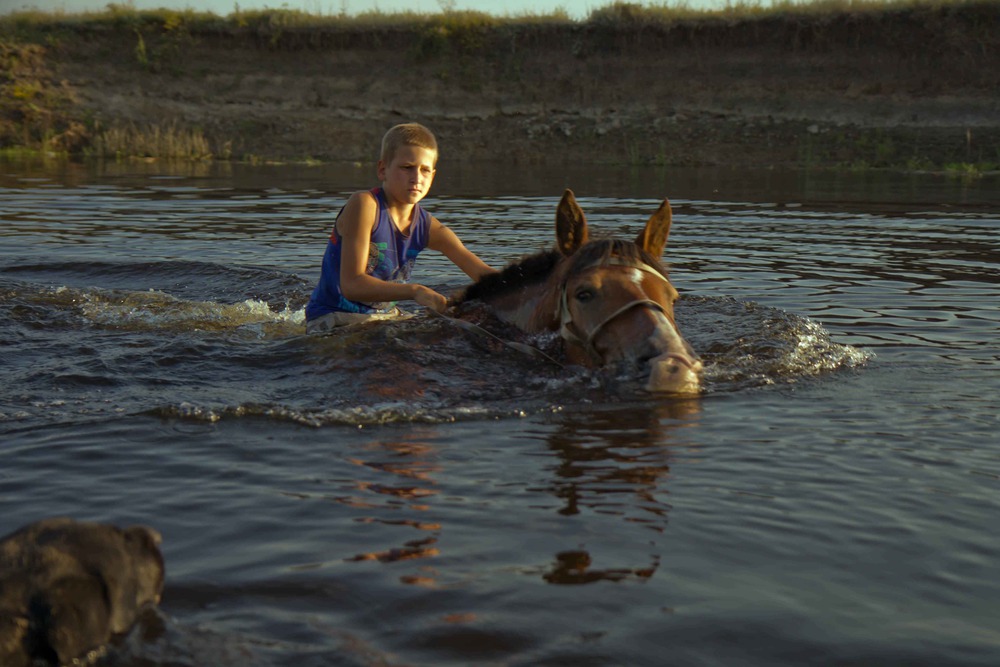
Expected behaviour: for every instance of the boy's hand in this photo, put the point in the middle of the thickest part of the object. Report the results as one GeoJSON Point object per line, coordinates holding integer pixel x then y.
{"type": "Point", "coordinates": [428, 298]}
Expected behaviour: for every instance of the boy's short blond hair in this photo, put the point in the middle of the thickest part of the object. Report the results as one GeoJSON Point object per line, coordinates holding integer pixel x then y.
{"type": "Point", "coordinates": [407, 134]}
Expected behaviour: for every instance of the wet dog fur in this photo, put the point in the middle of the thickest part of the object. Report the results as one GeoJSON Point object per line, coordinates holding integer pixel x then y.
{"type": "Point", "coordinates": [68, 587]}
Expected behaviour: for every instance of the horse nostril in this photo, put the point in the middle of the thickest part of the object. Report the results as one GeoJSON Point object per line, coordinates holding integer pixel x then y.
{"type": "Point", "coordinates": [675, 362]}
{"type": "Point", "coordinates": [673, 372]}
{"type": "Point", "coordinates": [682, 361]}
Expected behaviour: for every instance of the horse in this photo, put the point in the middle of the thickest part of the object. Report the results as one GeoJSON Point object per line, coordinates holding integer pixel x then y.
{"type": "Point", "coordinates": [610, 300]}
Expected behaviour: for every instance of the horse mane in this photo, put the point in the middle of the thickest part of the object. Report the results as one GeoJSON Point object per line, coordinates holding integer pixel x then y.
{"type": "Point", "coordinates": [528, 271]}
{"type": "Point", "coordinates": [537, 268]}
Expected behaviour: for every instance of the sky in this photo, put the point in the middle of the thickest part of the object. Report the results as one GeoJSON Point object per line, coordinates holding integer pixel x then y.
{"type": "Point", "coordinates": [577, 9]}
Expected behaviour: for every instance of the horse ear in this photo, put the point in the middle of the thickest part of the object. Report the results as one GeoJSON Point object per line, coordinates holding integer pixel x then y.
{"type": "Point", "coordinates": [653, 238]}
{"type": "Point", "coordinates": [571, 224]}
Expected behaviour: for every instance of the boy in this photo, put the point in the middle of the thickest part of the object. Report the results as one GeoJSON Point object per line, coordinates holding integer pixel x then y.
{"type": "Point", "coordinates": [377, 236]}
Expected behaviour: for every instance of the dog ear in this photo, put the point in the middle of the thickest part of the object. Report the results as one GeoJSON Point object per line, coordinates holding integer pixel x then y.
{"type": "Point", "coordinates": [143, 547]}
{"type": "Point", "coordinates": [142, 580]}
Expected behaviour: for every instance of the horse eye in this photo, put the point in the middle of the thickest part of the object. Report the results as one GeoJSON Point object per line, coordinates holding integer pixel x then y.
{"type": "Point", "coordinates": [584, 294]}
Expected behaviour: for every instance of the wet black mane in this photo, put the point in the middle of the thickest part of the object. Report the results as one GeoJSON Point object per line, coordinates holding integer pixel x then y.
{"type": "Point", "coordinates": [538, 267]}
{"type": "Point", "coordinates": [528, 271]}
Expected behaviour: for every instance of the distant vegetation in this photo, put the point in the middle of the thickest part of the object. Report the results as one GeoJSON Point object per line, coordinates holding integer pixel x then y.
{"type": "Point", "coordinates": [626, 14]}
{"type": "Point", "coordinates": [449, 26]}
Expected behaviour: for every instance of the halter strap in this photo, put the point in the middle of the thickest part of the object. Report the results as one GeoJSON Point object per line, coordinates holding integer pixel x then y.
{"type": "Point", "coordinates": [566, 319]}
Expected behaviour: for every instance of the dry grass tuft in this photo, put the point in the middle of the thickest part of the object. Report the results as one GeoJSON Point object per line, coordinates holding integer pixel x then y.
{"type": "Point", "coordinates": [153, 141]}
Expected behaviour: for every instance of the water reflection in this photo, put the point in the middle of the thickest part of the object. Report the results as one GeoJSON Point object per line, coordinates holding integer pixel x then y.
{"type": "Point", "coordinates": [615, 462]}
{"type": "Point", "coordinates": [606, 452]}
{"type": "Point", "coordinates": [888, 190]}
{"type": "Point", "coordinates": [573, 567]}
{"type": "Point", "coordinates": [397, 475]}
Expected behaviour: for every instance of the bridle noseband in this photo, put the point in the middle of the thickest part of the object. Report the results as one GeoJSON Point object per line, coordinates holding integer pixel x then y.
{"type": "Point", "coordinates": [587, 341]}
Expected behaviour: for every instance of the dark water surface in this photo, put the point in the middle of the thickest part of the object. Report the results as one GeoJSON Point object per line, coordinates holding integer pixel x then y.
{"type": "Point", "coordinates": [408, 494]}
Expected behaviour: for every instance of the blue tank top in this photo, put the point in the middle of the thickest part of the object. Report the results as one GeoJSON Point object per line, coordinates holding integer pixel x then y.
{"type": "Point", "coordinates": [391, 255]}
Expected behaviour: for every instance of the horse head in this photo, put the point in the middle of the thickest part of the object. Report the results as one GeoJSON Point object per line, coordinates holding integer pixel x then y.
{"type": "Point", "coordinates": [610, 300]}
{"type": "Point", "coordinates": [615, 303]}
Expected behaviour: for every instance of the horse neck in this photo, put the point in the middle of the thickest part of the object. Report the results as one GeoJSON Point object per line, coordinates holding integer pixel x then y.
{"type": "Point", "coordinates": [530, 308]}
{"type": "Point", "coordinates": [545, 305]}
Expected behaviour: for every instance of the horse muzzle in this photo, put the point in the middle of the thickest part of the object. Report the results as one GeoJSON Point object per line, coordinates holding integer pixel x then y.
{"type": "Point", "coordinates": [675, 374]}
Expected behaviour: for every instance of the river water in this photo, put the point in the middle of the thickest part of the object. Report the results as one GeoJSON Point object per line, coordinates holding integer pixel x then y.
{"type": "Point", "coordinates": [411, 494]}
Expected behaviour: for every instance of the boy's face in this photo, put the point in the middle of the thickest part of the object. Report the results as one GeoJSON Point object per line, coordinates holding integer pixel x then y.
{"type": "Point", "coordinates": [408, 176]}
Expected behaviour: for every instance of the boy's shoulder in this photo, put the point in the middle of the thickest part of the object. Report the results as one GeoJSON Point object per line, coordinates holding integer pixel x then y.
{"type": "Point", "coordinates": [371, 194]}
{"type": "Point", "coordinates": [359, 213]}
{"type": "Point", "coordinates": [363, 199]}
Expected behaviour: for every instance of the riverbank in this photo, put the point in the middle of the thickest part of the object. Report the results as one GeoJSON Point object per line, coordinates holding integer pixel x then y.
{"type": "Point", "coordinates": [909, 87]}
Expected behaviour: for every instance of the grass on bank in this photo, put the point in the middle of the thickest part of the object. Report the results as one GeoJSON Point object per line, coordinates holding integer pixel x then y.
{"type": "Point", "coordinates": [152, 141]}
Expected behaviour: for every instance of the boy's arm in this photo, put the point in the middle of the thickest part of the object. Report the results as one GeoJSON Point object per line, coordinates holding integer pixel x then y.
{"type": "Point", "coordinates": [355, 230]}
{"type": "Point", "coordinates": [447, 242]}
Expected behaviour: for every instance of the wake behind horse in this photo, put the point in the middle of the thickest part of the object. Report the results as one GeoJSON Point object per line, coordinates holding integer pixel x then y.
{"type": "Point", "coordinates": [610, 300]}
